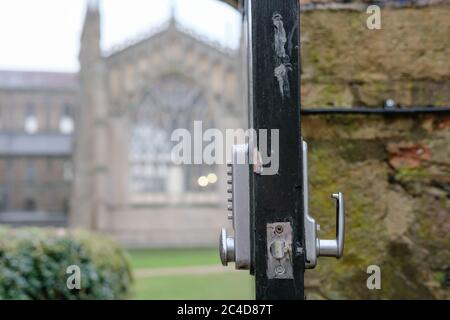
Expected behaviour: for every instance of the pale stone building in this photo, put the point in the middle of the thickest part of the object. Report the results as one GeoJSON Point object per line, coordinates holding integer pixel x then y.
{"type": "Point", "coordinates": [36, 124]}
{"type": "Point", "coordinates": [131, 101]}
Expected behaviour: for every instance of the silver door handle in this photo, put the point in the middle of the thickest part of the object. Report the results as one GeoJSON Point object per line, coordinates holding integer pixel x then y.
{"type": "Point", "coordinates": [335, 247]}
{"type": "Point", "coordinates": [316, 247]}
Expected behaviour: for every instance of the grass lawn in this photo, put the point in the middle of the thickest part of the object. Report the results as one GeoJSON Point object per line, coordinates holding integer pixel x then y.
{"type": "Point", "coordinates": [161, 258]}
{"type": "Point", "coordinates": [230, 285]}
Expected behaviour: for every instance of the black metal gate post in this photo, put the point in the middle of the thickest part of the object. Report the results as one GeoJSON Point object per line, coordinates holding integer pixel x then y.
{"type": "Point", "coordinates": [276, 199]}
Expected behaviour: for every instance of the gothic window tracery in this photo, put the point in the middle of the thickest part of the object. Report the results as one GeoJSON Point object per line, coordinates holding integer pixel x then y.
{"type": "Point", "coordinates": [172, 103]}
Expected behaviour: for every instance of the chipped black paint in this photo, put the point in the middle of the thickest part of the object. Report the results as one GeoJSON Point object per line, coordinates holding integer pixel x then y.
{"type": "Point", "coordinates": [274, 104]}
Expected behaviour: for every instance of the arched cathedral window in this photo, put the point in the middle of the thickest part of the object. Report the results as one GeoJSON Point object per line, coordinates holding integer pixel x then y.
{"type": "Point", "coordinates": [172, 103]}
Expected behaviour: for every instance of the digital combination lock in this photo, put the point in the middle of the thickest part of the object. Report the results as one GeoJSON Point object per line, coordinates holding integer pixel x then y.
{"type": "Point", "coordinates": [236, 248]}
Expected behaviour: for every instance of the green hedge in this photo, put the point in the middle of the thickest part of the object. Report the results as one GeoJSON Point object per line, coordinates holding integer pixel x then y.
{"type": "Point", "coordinates": [33, 265]}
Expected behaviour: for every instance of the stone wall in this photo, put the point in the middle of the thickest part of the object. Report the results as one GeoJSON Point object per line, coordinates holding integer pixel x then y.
{"type": "Point", "coordinates": [395, 174]}
{"type": "Point", "coordinates": [346, 64]}
{"type": "Point", "coordinates": [394, 170]}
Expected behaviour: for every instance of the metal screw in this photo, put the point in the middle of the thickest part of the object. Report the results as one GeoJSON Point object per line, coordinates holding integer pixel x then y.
{"type": "Point", "coordinates": [279, 229]}
{"type": "Point", "coordinates": [280, 270]}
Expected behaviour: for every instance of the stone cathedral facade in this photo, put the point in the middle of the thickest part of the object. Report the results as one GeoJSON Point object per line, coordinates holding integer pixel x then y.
{"type": "Point", "coordinates": [132, 99]}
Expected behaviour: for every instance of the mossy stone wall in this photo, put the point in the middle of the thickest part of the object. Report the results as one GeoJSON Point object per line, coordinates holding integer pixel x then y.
{"type": "Point", "coordinates": [394, 171]}
{"type": "Point", "coordinates": [346, 64]}
{"type": "Point", "coordinates": [395, 174]}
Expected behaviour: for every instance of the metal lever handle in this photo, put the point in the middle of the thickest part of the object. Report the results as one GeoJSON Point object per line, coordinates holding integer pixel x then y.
{"type": "Point", "coordinates": [335, 247]}
{"type": "Point", "coordinates": [315, 247]}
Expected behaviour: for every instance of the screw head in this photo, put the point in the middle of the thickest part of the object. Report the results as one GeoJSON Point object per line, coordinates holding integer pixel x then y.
{"type": "Point", "coordinates": [280, 270]}
{"type": "Point", "coordinates": [279, 229]}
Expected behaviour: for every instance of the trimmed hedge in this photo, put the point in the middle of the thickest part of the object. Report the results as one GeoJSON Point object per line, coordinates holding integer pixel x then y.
{"type": "Point", "coordinates": [33, 265]}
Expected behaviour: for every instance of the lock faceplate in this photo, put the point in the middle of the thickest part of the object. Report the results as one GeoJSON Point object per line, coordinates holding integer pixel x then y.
{"type": "Point", "coordinates": [279, 251]}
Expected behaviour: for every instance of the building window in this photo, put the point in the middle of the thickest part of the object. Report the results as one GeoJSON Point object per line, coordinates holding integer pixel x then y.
{"type": "Point", "coordinates": [66, 125]}
{"type": "Point", "coordinates": [172, 103]}
{"type": "Point", "coordinates": [67, 171]}
{"type": "Point", "coordinates": [30, 174]}
{"type": "Point", "coordinates": [4, 201]}
{"type": "Point", "coordinates": [31, 121]}
{"type": "Point", "coordinates": [65, 206]}
{"type": "Point", "coordinates": [29, 205]}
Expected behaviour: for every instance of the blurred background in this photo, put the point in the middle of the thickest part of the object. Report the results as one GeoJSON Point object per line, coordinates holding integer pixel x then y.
{"type": "Point", "coordinates": [90, 92]}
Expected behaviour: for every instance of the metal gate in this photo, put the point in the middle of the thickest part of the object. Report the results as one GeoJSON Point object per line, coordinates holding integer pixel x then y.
{"type": "Point", "coordinates": [274, 236]}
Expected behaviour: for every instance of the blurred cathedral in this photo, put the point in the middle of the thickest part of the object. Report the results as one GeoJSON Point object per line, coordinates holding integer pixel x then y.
{"type": "Point", "coordinates": [93, 150]}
